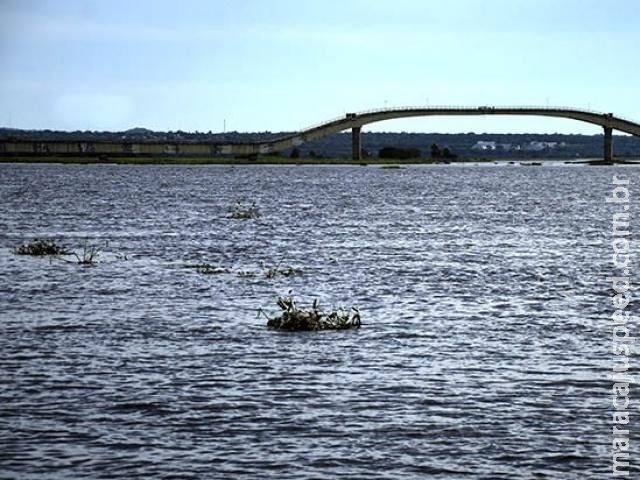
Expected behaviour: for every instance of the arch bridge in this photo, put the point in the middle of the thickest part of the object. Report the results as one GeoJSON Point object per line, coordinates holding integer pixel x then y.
{"type": "Point", "coordinates": [355, 122]}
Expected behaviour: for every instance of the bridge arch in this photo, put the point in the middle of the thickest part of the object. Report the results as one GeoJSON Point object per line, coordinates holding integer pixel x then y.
{"type": "Point", "coordinates": [355, 122]}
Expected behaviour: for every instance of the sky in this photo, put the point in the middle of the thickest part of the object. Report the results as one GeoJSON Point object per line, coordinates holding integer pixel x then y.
{"type": "Point", "coordinates": [283, 65]}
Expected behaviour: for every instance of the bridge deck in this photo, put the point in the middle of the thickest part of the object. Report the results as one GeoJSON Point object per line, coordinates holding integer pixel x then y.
{"type": "Point", "coordinates": [358, 120]}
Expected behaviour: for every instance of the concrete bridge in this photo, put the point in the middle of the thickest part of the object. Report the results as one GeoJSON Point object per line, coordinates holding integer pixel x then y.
{"type": "Point", "coordinates": [355, 122]}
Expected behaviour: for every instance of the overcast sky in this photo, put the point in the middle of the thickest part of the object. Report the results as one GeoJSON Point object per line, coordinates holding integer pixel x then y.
{"type": "Point", "coordinates": [281, 65]}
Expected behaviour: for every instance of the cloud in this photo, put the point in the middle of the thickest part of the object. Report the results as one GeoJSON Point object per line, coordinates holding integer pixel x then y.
{"type": "Point", "coordinates": [74, 27]}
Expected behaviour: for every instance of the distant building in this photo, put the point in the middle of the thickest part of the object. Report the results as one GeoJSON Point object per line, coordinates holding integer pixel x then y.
{"type": "Point", "coordinates": [539, 146]}
{"type": "Point", "coordinates": [482, 145]}
{"type": "Point", "coordinates": [507, 147]}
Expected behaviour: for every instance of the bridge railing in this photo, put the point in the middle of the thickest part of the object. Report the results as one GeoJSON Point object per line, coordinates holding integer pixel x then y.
{"type": "Point", "coordinates": [323, 124]}
{"type": "Point", "coordinates": [480, 107]}
{"type": "Point", "coordinates": [454, 108]}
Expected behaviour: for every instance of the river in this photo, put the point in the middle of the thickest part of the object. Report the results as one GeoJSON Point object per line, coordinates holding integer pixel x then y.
{"type": "Point", "coordinates": [483, 352]}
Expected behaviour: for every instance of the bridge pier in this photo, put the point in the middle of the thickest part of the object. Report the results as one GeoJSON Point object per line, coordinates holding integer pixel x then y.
{"type": "Point", "coordinates": [356, 143]}
{"type": "Point", "coordinates": [608, 144]}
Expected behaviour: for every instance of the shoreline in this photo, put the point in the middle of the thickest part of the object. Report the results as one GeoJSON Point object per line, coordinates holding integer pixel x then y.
{"type": "Point", "coordinates": [91, 160]}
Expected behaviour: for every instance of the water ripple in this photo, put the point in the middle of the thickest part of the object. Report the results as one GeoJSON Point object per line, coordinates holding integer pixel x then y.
{"type": "Point", "coordinates": [483, 352]}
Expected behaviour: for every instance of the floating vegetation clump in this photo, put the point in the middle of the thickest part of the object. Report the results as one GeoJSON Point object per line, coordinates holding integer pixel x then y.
{"type": "Point", "coordinates": [285, 272]}
{"type": "Point", "coordinates": [244, 212]}
{"type": "Point", "coordinates": [246, 273]}
{"type": "Point", "coordinates": [296, 319]}
{"type": "Point", "coordinates": [268, 272]}
{"type": "Point", "coordinates": [89, 255]}
{"type": "Point", "coordinates": [289, 271]}
{"type": "Point", "coordinates": [208, 269]}
{"type": "Point", "coordinates": [40, 248]}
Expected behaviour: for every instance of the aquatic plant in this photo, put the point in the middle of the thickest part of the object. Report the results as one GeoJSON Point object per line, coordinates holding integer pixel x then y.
{"type": "Point", "coordinates": [245, 273]}
{"type": "Point", "coordinates": [270, 272]}
{"type": "Point", "coordinates": [294, 319]}
{"type": "Point", "coordinates": [41, 247]}
{"type": "Point", "coordinates": [208, 269]}
{"type": "Point", "coordinates": [89, 256]}
{"type": "Point", "coordinates": [273, 272]}
{"type": "Point", "coordinates": [285, 272]}
{"type": "Point", "coordinates": [244, 212]}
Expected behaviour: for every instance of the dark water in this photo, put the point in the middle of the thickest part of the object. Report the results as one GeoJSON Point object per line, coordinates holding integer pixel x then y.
{"type": "Point", "coordinates": [484, 354]}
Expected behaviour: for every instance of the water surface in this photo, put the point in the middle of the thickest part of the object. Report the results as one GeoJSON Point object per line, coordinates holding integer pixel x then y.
{"type": "Point", "coordinates": [484, 352]}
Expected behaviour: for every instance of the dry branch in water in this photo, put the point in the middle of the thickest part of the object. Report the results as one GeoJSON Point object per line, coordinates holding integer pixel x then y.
{"type": "Point", "coordinates": [89, 256]}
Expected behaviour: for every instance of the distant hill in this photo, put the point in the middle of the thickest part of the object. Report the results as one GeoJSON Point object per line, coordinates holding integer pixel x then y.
{"type": "Point", "coordinates": [139, 131]}
{"type": "Point", "coordinates": [464, 145]}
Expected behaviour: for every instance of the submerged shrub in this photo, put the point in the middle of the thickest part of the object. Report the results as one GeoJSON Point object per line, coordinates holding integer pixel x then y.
{"type": "Point", "coordinates": [208, 269]}
{"type": "Point", "coordinates": [293, 318]}
{"type": "Point", "coordinates": [285, 272]}
{"type": "Point", "coordinates": [40, 248]}
{"type": "Point", "coordinates": [89, 256]}
{"type": "Point", "coordinates": [273, 272]}
{"type": "Point", "coordinates": [244, 212]}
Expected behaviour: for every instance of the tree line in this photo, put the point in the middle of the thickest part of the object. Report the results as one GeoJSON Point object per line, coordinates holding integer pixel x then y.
{"type": "Point", "coordinates": [403, 153]}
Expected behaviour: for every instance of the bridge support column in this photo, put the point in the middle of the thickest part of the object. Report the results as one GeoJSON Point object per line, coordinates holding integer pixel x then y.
{"type": "Point", "coordinates": [356, 143]}
{"type": "Point", "coordinates": [608, 144]}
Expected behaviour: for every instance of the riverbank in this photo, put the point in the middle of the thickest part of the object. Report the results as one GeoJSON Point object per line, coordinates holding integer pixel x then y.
{"type": "Point", "coordinates": [172, 160]}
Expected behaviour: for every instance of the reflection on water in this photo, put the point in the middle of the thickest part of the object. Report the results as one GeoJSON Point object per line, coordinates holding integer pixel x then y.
{"type": "Point", "coordinates": [483, 355]}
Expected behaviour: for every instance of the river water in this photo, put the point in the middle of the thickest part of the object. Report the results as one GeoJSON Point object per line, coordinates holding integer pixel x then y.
{"type": "Point", "coordinates": [483, 353]}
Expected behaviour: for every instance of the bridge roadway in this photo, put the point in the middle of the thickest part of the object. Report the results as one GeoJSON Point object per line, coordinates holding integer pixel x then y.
{"type": "Point", "coordinates": [355, 122]}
